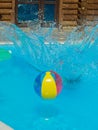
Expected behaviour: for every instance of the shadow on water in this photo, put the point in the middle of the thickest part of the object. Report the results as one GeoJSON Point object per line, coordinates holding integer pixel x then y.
{"type": "Point", "coordinates": [46, 111]}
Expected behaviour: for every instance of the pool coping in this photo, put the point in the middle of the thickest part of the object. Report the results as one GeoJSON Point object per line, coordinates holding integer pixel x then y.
{"type": "Point", "coordinates": [27, 30]}
{"type": "Point", "coordinates": [4, 126]}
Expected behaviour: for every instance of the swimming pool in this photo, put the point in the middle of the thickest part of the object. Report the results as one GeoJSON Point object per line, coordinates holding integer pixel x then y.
{"type": "Point", "coordinates": [75, 108]}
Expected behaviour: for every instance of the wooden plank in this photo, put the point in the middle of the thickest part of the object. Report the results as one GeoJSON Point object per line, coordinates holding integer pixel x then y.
{"type": "Point", "coordinates": [70, 17]}
{"type": "Point", "coordinates": [28, 2]}
{"type": "Point", "coordinates": [83, 4]}
{"type": "Point", "coordinates": [5, 5]}
{"type": "Point", "coordinates": [5, 11]}
{"type": "Point", "coordinates": [92, 12]}
{"type": "Point", "coordinates": [60, 10]}
{"type": "Point", "coordinates": [92, 1]}
{"type": "Point", "coordinates": [70, 6]}
{"type": "Point", "coordinates": [69, 12]}
{"type": "Point", "coordinates": [5, 17]}
{"type": "Point", "coordinates": [92, 17]}
{"type": "Point", "coordinates": [56, 12]}
{"type": "Point", "coordinates": [69, 23]}
{"type": "Point", "coordinates": [70, 1]}
{"type": "Point", "coordinates": [5, 1]}
{"type": "Point", "coordinates": [92, 6]}
{"type": "Point", "coordinates": [6, 21]}
{"type": "Point", "coordinates": [91, 23]}
{"type": "Point", "coordinates": [50, 2]}
{"type": "Point", "coordinates": [13, 11]}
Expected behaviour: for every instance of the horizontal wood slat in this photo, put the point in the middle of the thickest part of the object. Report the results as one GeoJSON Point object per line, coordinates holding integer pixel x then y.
{"type": "Point", "coordinates": [6, 17]}
{"type": "Point", "coordinates": [92, 17]}
{"type": "Point", "coordinates": [70, 6]}
{"type": "Point", "coordinates": [5, 5]}
{"type": "Point", "coordinates": [70, 17]}
{"type": "Point", "coordinates": [69, 23]}
{"type": "Point", "coordinates": [92, 6]}
{"type": "Point", "coordinates": [70, 1]}
{"type": "Point", "coordinates": [92, 12]}
{"type": "Point", "coordinates": [66, 11]}
{"type": "Point", "coordinates": [92, 1]}
{"type": "Point", "coordinates": [5, 1]}
{"type": "Point", "coordinates": [5, 11]}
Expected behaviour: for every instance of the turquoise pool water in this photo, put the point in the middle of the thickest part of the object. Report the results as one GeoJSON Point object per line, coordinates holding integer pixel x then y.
{"type": "Point", "coordinates": [76, 108]}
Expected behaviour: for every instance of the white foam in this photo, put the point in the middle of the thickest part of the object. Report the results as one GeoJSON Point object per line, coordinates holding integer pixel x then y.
{"type": "Point", "coordinates": [3, 126]}
{"type": "Point", "coordinates": [5, 42]}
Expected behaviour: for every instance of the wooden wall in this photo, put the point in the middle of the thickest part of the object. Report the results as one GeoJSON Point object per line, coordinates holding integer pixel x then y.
{"type": "Point", "coordinates": [68, 12]}
{"type": "Point", "coordinates": [7, 10]}
{"type": "Point", "coordinates": [90, 9]}
{"type": "Point", "coordinates": [71, 12]}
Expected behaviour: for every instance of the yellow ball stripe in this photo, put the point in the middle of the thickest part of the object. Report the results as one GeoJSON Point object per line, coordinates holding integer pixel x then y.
{"type": "Point", "coordinates": [48, 89]}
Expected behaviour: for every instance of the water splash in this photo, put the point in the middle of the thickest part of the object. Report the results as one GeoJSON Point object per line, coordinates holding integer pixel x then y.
{"type": "Point", "coordinates": [41, 48]}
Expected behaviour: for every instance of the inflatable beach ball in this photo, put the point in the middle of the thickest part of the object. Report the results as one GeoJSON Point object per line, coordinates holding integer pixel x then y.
{"type": "Point", "coordinates": [48, 85]}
